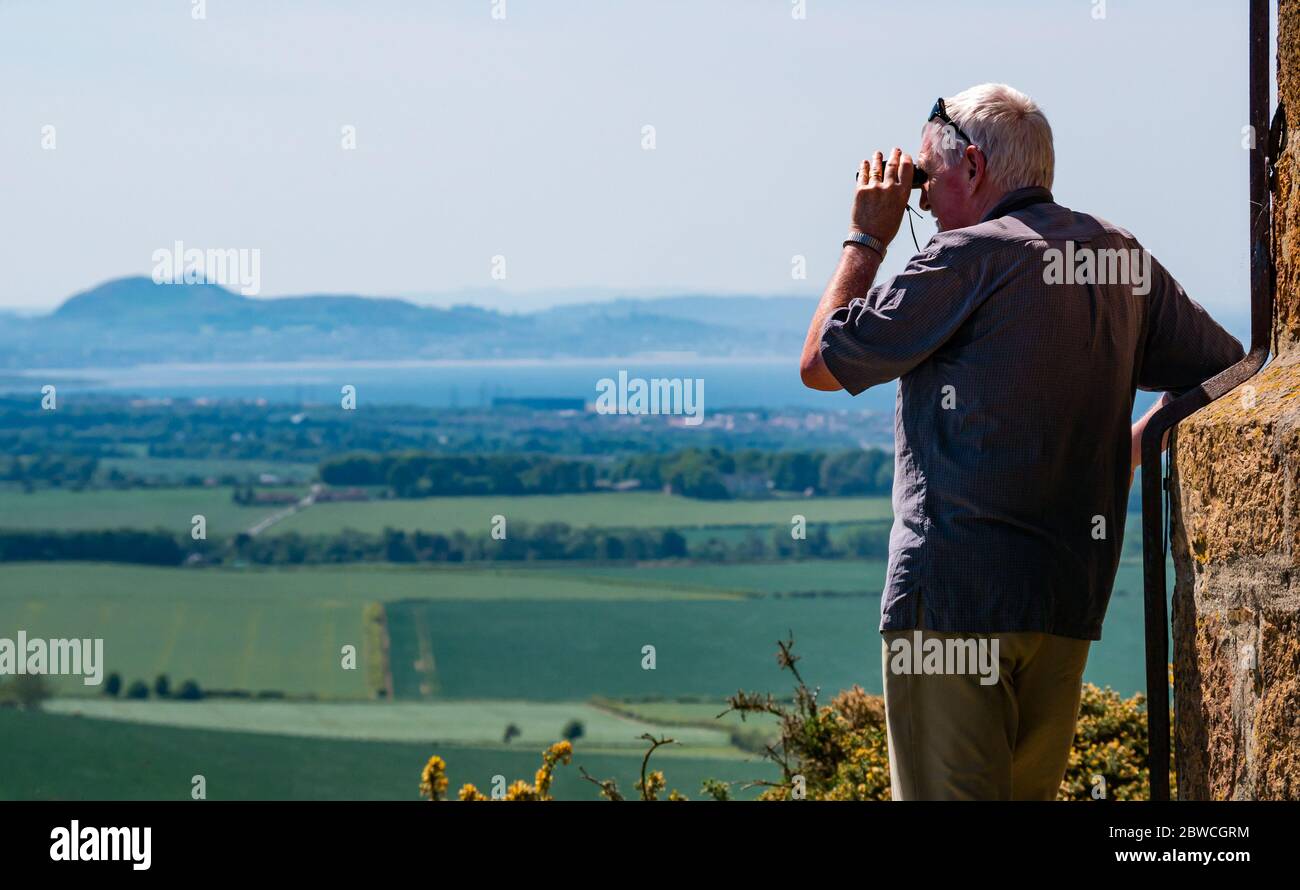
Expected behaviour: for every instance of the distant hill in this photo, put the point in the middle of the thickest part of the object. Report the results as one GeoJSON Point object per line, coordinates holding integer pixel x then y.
{"type": "Point", "coordinates": [131, 321]}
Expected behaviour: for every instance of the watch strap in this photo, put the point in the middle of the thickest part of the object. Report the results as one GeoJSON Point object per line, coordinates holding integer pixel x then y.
{"type": "Point", "coordinates": [866, 241]}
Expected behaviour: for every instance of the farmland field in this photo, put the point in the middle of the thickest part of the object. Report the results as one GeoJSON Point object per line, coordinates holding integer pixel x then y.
{"type": "Point", "coordinates": [693, 711]}
{"type": "Point", "coordinates": [735, 534]}
{"type": "Point", "coordinates": [140, 508]}
{"type": "Point", "coordinates": [473, 649]}
{"type": "Point", "coordinates": [861, 576]}
{"type": "Point", "coordinates": [547, 633]}
{"type": "Point", "coordinates": [565, 650]}
{"type": "Point", "coordinates": [264, 629]}
{"type": "Point", "coordinates": [455, 722]}
{"type": "Point", "coordinates": [61, 757]}
{"type": "Point", "coordinates": [604, 510]}
{"type": "Point", "coordinates": [177, 469]}
{"type": "Point", "coordinates": [224, 629]}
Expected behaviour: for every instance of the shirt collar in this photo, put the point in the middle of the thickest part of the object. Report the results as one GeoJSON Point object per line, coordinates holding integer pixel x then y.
{"type": "Point", "coordinates": [1017, 199]}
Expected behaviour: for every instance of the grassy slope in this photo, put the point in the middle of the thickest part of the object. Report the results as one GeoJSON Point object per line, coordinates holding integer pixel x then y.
{"type": "Point", "coordinates": [255, 629]}
{"type": "Point", "coordinates": [51, 756]}
{"type": "Point", "coordinates": [459, 722]}
{"type": "Point", "coordinates": [573, 650]}
{"type": "Point", "coordinates": [836, 576]}
{"type": "Point", "coordinates": [167, 508]}
{"type": "Point", "coordinates": [548, 633]}
{"type": "Point", "coordinates": [215, 627]}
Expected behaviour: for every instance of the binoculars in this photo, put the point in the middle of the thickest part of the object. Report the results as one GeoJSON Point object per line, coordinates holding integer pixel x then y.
{"type": "Point", "coordinates": [919, 176]}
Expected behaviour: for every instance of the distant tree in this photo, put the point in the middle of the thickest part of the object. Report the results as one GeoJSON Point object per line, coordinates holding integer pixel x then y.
{"type": "Point", "coordinates": [573, 730]}
{"type": "Point", "coordinates": [752, 546]}
{"type": "Point", "coordinates": [612, 547]}
{"type": "Point", "coordinates": [113, 685]}
{"type": "Point", "coordinates": [162, 687]}
{"type": "Point", "coordinates": [796, 470]}
{"type": "Point", "coordinates": [672, 544]}
{"type": "Point", "coordinates": [27, 691]}
{"type": "Point", "coordinates": [512, 732]}
{"type": "Point", "coordinates": [138, 689]}
{"type": "Point", "coordinates": [396, 547]}
{"type": "Point", "coordinates": [819, 540]}
{"type": "Point", "coordinates": [190, 691]}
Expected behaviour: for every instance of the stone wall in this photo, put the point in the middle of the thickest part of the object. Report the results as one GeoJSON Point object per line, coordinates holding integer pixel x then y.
{"type": "Point", "coordinates": [1236, 538]}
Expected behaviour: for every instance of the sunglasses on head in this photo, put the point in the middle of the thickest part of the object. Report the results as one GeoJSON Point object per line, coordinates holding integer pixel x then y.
{"type": "Point", "coordinates": [938, 112]}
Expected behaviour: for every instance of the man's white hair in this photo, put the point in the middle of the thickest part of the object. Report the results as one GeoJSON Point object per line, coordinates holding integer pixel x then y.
{"type": "Point", "coordinates": [1007, 126]}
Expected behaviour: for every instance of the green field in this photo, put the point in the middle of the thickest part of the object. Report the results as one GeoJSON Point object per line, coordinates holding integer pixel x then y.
{"type": "Point", "coordinates": [736, 534]}
{"type": "Point", "coordinates": [34, 582]}
{"type": "Point", "coordinates": [259, 629]}
{"type": "Point", "coordinates": [549, 651]}
{"type": "Point", "coordinates": [844, 576]}
{"type": "Point", "coordinates": [604, 510]}
{"type": "Point", "coordinates": [542, 633]}
{"type": "Point", "coordinates": [676, 712]}
{"type": "Point", "coordinates": [178, 469]}
{"type": "Point", "coordinates": [227, 630]}
{"type": "Point", "coordinates": [566, 650]}
{"type": "Point", "coordinates": [61, 757]}
{"type": "Point", "coordinates": [479, 647]}
{"type": "Point", "coordinates": [455, 722]}
{"type": "Point", "coordinates": [141, 508]}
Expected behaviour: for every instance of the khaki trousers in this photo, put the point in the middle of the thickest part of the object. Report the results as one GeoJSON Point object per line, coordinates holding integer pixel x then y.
{"type": "Point", "coordinates": [952, 737]}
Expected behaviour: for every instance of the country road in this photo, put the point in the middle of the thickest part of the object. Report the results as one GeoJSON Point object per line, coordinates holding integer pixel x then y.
{"type": "Point", "coordinates": [307, 501]}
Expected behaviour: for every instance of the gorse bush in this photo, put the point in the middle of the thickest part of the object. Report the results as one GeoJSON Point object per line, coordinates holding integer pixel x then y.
{"type": "Point", "coordinates": [1108, 757]}
{"type": "Point", "coordinates": [434, 781]}
{"type": "Point", "coordinates": [839, 751]}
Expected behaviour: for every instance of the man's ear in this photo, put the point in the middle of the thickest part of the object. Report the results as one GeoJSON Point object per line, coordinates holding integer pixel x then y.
{"type": "Point", "coordinates": [974, 166]}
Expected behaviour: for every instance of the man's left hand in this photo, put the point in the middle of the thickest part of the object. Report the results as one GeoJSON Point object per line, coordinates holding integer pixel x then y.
{"type": "Point", "coordinates": [883, 191]}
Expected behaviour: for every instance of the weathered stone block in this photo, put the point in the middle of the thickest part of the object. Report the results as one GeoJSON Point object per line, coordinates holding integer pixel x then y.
{"type": "Point", "coordinates": [1236, 541]}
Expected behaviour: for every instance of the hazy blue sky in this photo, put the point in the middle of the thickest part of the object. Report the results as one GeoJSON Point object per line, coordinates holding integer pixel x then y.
{"type": "Point", "coordinates": [479, 137]}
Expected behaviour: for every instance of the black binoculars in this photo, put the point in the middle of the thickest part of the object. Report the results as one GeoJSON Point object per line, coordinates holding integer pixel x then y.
{"type": "Point", "coordinates": [919, 176]}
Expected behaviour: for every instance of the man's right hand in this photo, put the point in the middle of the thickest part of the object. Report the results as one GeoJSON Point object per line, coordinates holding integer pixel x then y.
{"type": "Point", "coordinates": [1136, 431]}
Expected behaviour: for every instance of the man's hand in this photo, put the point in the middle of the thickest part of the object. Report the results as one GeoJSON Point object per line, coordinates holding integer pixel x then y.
{"type": "Point", "coordinates": [1135, 436]}
{"type": "Point", "coordinates": [883, 190]}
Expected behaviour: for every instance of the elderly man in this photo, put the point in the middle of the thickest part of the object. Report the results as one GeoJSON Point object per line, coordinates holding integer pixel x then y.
{"type": "Point", "coordinates": [1018, 335]}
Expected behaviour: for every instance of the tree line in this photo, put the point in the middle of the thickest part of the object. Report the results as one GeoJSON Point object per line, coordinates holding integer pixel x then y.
{"type": "Point", "coordinates": [32, 470]}
{"type": "Point", "coordinates": [548, 541]}
{"type": "Point", "coordinates": [423, 474]}
{"type": "Point", "coordinates": [156, 548]}
{"type": "Point", "coordinates": [558, 541]}
{"type": "Point", "coordinates": [713, 474]}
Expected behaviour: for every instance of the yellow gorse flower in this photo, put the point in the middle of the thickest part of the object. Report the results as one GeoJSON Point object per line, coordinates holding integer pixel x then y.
{"type": "Point", "coordinates": [469, 792]}
{"type": "Point", "coordinates": [433, 780]}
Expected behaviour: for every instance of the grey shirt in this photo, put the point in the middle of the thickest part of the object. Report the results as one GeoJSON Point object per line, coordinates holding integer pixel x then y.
{"type": "Point", "coordinates": [1017, 369]}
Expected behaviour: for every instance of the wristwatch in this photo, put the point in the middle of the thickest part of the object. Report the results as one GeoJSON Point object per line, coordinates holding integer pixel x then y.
{"type": "Point", "coordinates": [866, 241]}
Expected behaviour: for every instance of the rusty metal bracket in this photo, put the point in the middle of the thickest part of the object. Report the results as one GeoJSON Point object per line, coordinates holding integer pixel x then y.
{"type": "Point", "coordinates": [1262, 177]}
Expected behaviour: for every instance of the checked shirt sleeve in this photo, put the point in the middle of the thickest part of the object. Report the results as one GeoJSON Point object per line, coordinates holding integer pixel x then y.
{"type": "Point", "coordinates": [902, 321]}
{"type": "Point", "coordinates": [1184, 346]}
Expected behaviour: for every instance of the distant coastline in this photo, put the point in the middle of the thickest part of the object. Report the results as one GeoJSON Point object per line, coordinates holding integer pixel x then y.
{"type": "Point", "coordinates": [649, 358]}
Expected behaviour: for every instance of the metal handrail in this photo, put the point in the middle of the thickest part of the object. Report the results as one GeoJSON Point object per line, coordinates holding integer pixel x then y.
{"type": "Point", "coordinates": [1261, 320]}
